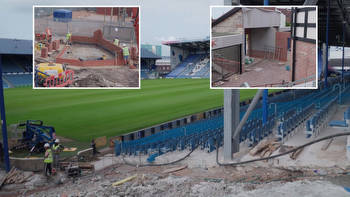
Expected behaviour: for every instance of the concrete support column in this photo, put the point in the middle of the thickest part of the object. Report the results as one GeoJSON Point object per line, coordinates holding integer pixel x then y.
{"type": "Point", "coordinates": [231, 121]}
{"type": "Point", "coordinates": [324, 57]}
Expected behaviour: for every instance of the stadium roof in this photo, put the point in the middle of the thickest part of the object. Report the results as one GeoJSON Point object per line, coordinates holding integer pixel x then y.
{"type": "Point", "coordinates": [15, 46]}
{"type": "Point", "coordinates": [148, 54]}
{"type": "Point", "coordinates": [194, 44]}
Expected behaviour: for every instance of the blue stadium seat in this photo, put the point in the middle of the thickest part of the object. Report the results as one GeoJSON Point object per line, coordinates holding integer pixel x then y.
{"type": "Point", "coordinates": [19, 80]}
{"type": "Point", "coordinates": [294, 110]}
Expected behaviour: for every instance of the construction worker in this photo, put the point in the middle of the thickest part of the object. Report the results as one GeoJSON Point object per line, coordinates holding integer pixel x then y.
{"type": "Point", "coordinates": [68, 38]}
{"type": "Point", "coordinates": [93, 146]}
{"type": "Point", "coordinates": [57, 149]}
{"type": "Point", "coordinates": [116, 41]}
{"type": "Point", "coordinates": [126, 54]}
{"type": "Point", "coordinates": [48, 160]}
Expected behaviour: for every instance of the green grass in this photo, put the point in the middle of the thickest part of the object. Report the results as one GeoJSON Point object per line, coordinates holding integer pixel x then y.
{"type": "Point", "coordinates": [83, 114]}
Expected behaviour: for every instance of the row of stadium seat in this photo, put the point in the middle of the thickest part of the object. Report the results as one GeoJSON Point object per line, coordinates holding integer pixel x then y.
{"type": "Point", "coordinates": [4, 84]}
{"type": "Point", "coordinates": [19, 80]}
{"type": "Point", "coordinates": [289, 114]}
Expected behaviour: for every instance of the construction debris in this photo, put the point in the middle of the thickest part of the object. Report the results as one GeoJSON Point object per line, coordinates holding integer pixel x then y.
{"type": "Point", "coordinates": [82, 165]}
{"type": "Point", "coordinates": [124, 180]}
{"type": "Point", "coordinates": [327, 144]}
{"type": "Point", "coordinates": [295, 154]}
{"type": "Point", "coordinates": [175, 169]}
{"type": "Point", "coordinates": [265, 148]}
{"type": "Point", "coordinates": [15, 176]}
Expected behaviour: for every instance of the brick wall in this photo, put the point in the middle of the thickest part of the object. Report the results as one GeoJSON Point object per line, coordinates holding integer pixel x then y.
{"type": "Point", "coordinates": [305, 60]}
{"type": "Point", "coordinates": [101, 42]}
{"type": "Point", "coordinates": [282, 42]}
{"type": "Point", "coordinates": [232, 24]}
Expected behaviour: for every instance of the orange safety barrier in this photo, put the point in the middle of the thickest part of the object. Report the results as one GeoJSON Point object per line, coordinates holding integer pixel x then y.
{"type": "Point", "coordinates": [61, 81]}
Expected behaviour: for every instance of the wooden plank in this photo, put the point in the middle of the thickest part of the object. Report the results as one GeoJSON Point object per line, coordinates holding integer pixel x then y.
{"type": "Point", "coordinates": [327, 144]}
{"type": "Point", "coordinates": [261, 146]}
{"type": "Point", "coordinates": [82, 165]}
{"type": "Point", "coordinates": [175, 169]}
{"type": "Point", "coordinates": [295, 154]}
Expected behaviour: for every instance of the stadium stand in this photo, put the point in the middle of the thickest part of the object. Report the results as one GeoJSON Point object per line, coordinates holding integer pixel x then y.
{"type": "Point", "coordinates": [291, 111]}
{"type": "Point", "coordinates": [10, 66]}
{"type": "Point", "coordinates": [188, 57]}
{"type": "Point", "coordinates": [194, 69]}
{"type": "Point", "coordinates": [19, 80]}
{"type": "Point", "coordinates": [4, 84]}
{"type": "Point", "coordinates": [189, 60]}
{"type": "Point", "coordinates": [144, 74]}
{"type": "Point", "coordinates": [16, 62]}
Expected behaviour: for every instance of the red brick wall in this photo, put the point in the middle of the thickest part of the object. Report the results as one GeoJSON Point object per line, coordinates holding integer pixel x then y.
{"type": "Point", "coordinates": [99, 40]}
{"type": "Point", "coordinates": [282, 42]}
{"type": "Point", "coordinates": [305, 60]}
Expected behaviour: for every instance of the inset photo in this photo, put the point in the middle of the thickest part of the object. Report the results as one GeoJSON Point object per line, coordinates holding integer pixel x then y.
{"type": "Point", "coordinates": [263, 47]}
{"type": "Point", "coordinates": [86, 47]}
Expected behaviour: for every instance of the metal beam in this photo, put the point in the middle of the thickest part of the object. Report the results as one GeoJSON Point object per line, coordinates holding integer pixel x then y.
{"type": "Point", "coordinates": [265, 106]}
{"type": "Point", "coordinates": [248, 112]}
{"type": "Point", "coordinates": [327, 48]}
{"type": "Point", "coordinates": [3, 121]}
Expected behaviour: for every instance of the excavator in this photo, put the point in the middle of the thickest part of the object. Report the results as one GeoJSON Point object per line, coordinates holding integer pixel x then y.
{"type": "Point", "coordinates": [51, 74]}
{"type": "Point", "coordinates": [34, 136]}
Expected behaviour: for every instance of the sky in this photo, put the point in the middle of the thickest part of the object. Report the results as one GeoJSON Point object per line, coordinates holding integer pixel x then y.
{"type": "Point", "coordinates": [219, 11]}
{"type": "Point", "coordinates": [161, 20]}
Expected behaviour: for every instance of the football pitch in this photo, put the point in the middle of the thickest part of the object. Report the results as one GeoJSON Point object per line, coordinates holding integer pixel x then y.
{"type": "Point", "coordinates": [84, 114]}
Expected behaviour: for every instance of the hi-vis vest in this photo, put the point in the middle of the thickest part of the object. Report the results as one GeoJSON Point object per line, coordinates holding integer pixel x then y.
{"type": "Point", "coordinates": [68, 36]}
{"type": "Point", "coordinates": [55, 148]}
{"type": "Point", "coordinates": [49, 158]}
{"type": "Point", "coordinates": [125, 51]}
{"type": "Point", "coordinates": [116, 42]}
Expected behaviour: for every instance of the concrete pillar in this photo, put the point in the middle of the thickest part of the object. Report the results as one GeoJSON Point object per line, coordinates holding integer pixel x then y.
{"type": "Point", "coordinates": [231, 121]}
{"type": "Point", "coordinates": [324, 57]}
